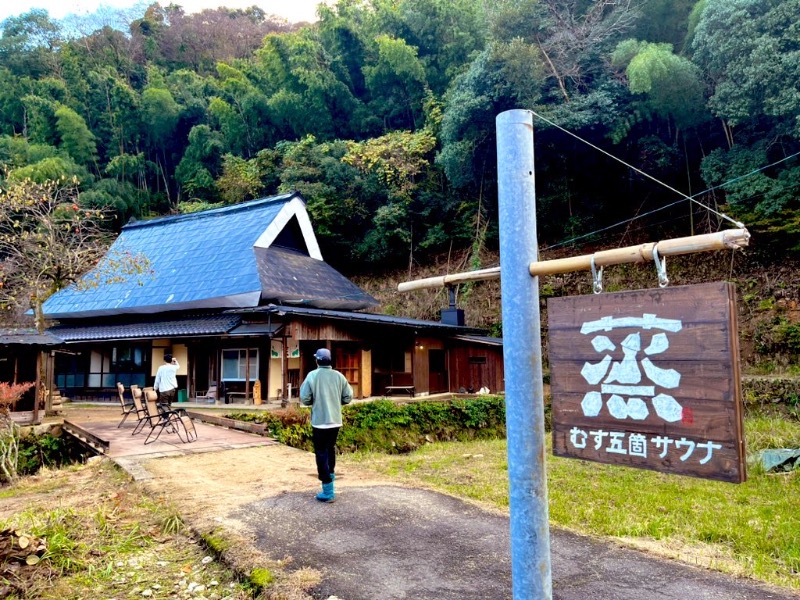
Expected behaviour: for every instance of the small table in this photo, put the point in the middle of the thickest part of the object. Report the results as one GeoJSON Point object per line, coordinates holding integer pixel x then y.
{"type": "Point", "coordinates": [408, 389]}
{"type": "Point", "coordinates": [246, 398]}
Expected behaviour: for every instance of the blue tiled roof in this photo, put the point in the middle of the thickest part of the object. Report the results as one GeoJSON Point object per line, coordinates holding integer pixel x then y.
{"type": "Point", "coordinates": [200, 260]}
{"type": "Point", "coordinates": [166, 328]}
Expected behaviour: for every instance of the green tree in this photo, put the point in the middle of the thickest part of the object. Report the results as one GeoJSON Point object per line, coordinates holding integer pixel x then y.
{"type": "Point", "coordinates": [243, 179]}
{"type": "Point", "coordinates": [120, 200]}
{"type": "Point", "coordinates": [76, 139]}
{"type": "Point", "coordinates": [754, 75]}
{"type": "Point", "coordinates": [200, 163]}
{"type": "Point", "coordinates": [445, 33]}
{"type": "Point", "coordinates": [340, 199]}
{"type": "Point", "coordinates": [133, 170]}
{"type": "Point", "coordinates": [54, 168]}
{"type": "Point", "coordinates": [241, 111]}
{"type": "Point", "coordinates": [28, 44]}
{"type": "Point", "coordinates": [159, 115]}
{"type": "Point", "coordinates": [750, 49]}
{"type": "Point", "coordinates": [503, 77]}
{"type": "Point", "coordinates": [305, 92]}
{"type": "Point", "coordinates": [40, 119]}
{"type": "Point", "coordinates": [664, 21]}
{"type": "Point", "coordinates": [396, 82]}
{"type": "Point", "coordinates": [113, 113]}
{"type": "Point", "coordinates": [672, 84]}
{"type": "Point", "coordinates": [16, 151]}
{"type": "Point", "coordinates": [344, 35]}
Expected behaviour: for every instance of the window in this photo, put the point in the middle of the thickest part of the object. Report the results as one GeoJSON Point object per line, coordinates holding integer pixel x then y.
{"type": "Point", "coordinates": [127, 358]}
{"type": "Point", "coordinates": [103, 367]}
{"type": "Point", "coordinates": [235, 363]}
{"type": "Point", "coordinates": [391, 360]}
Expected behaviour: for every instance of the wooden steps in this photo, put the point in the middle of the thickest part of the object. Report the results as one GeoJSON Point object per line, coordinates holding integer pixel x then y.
{"type": "Point", "coordinates": [99, 445]}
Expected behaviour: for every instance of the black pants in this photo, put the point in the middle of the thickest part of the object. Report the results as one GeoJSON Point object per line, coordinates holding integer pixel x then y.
{"type": "Point", "coordinates": [167, 398]}
{"type": "Point", "coordinates": [325, 451]}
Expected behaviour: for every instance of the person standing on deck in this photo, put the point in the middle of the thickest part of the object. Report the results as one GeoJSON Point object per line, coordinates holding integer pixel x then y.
{"type": "Point", "coordinates": [166, 384]}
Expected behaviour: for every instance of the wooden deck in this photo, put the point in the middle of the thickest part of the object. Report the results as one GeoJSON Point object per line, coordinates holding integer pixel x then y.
{"type": "Point", "coordinates": [100, 425]}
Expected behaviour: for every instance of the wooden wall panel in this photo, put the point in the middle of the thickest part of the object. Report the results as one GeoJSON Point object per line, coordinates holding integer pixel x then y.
{"type": "Point", "coordinates": [321, 330]}
{"type": "Point", "coordinates": [421, 368]}
{"type": "Point", "coordinates": [474, 366]}
{"type": "Point", "coordinates": [366, 373]}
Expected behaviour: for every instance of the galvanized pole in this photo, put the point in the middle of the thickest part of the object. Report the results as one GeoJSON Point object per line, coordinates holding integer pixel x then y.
{"type": "Point", "coordinates": [522, 357]}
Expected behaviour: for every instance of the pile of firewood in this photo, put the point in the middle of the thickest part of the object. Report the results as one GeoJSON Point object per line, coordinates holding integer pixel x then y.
{"type": "Point", "coordinates": [19, 552]}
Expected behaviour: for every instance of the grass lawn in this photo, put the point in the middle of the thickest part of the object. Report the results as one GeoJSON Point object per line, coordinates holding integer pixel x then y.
{"type": "Point", "coordinates": [751, 529]}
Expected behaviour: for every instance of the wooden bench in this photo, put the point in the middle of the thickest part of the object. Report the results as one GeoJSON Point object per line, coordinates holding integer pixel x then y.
{"type": "Point", "coordinates": [408, 389]}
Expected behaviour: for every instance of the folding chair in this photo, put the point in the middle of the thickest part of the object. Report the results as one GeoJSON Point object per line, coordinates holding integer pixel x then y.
{"type": "Point", "coordinates": [161, 419]}
{"type": "Point", "coordinates": [140, 409]}
{"type": "Point", "coordinates": [209, 395]}
{"type": "Point", "coordinates": [127, 405]}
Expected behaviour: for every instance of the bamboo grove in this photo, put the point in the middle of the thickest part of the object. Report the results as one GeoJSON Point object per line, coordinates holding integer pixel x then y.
{"type": "Point", "coordinates": [382, 114]}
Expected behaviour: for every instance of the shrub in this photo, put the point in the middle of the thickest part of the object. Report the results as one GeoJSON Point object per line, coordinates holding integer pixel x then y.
{"type": "Point", "coordinates": [10, 394]}
{"type": "Point", "coordinates": [391, 427]}
{"type": "Point", "coordinates": [37, 451]}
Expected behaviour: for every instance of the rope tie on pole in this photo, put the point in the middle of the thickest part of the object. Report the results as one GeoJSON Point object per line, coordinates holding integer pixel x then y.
{"type": "Point", "coordinates": [597, 278]}
{"type": "Point", "coordinates": [661, 268]}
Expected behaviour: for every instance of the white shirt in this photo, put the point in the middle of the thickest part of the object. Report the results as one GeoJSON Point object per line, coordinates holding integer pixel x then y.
{"type": "Point", "coordinates": [166, 378]}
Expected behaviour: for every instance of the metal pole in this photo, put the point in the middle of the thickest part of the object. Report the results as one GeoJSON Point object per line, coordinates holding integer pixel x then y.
{"type": "Point", "coordinates": [522, 355]}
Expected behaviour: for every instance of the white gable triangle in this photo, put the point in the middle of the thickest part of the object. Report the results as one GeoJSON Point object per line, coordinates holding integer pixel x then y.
{"type": "Point", "coordinates": [294, 208]}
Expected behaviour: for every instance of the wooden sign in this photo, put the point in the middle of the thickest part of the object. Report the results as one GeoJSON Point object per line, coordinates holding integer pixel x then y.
{"type": "Point", "coordinates": [649, 379]}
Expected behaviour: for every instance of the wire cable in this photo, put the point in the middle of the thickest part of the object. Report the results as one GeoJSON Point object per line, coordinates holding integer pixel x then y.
{"type": "Point", "coordinates": [692, 198]}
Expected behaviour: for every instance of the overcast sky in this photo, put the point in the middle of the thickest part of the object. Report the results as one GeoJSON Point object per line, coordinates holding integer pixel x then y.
{"type": "Point", "coordinates": [292, 10]}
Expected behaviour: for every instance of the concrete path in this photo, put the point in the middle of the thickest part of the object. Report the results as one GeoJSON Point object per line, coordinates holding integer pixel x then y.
{"type": "Point", "coordinates": [396, 543]}
{"type": "Point", "coordinates": [384, 541]}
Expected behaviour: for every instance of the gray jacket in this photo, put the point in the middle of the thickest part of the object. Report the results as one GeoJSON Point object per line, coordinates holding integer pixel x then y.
{"type": "Point", "coordinates": [325, 390]}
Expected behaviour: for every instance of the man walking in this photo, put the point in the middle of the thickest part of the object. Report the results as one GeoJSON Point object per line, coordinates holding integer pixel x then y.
{"type": "Point", "coordinates": [166, 383]}
{"type": "Point", "coordinates": [325, 390]}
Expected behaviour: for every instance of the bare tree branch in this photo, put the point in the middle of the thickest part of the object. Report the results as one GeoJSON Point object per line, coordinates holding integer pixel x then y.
{"type": "Point", "coordinates": [47, 242]}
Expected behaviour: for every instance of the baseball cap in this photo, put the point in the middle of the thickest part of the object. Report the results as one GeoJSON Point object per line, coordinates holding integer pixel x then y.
{"type": "Point", "coordinates": [322, 354]}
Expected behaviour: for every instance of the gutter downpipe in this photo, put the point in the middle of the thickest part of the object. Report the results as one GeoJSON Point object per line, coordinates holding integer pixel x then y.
{"type": "Point", "coordinates": [522, 357]}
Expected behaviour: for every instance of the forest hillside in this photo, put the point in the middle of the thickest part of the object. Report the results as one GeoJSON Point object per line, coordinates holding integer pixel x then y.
{"type": "Point", "coordinates": [768, 297]}
{"type": "Point", "coordinates": [652, 119]}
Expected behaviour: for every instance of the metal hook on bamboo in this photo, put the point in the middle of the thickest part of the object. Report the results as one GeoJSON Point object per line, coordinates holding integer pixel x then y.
{"type": "Point", "coordinates": [661, 268]}
{"type": "Point", "coordinates": [597, 279]}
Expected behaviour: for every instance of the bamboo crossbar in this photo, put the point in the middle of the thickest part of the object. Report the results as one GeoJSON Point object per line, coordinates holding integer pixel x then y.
{"type": "Point", "coordinates": [721, 240]}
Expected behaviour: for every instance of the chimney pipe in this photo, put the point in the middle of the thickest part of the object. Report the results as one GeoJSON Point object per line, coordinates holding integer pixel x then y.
{"type": "Point", "coordinates": [452, 315]}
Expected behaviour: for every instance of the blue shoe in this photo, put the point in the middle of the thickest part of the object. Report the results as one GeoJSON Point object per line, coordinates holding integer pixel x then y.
{"type": "Point", "coordinates": [327, 494]}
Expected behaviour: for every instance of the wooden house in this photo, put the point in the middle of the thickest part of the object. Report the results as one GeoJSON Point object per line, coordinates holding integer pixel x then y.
{"type": "Point", "coordinates": [242, 297]}
{"type": "Point", "coordinates": [27, 356]}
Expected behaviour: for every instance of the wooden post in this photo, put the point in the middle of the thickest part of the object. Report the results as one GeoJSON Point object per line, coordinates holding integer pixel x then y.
{"type": "Point", "coordinates": [36, 395]}
{"type": "Point", "coordinates": [284, 399]}
{"type": "Point", "coordinates": [38, 389]}
{"type": "Point", "coordinates": [246, 374]}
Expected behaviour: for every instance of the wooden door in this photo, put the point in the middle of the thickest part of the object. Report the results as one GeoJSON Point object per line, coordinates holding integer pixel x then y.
{"type": "Point", "coordinates": [347, 360]}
